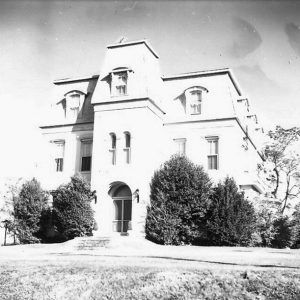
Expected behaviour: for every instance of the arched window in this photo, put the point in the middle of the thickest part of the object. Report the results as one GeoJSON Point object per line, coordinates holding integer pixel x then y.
{"type": "Point", "coordinates": [127, 148]}
{"type": "Point", "coordinates": [113, 149]}
{"type": "Point", "coordinates": [119, 80]}
{"type": "Point", "coordinates": [194, 99]}
{"type": "Point", "coordinates": [73, 104]}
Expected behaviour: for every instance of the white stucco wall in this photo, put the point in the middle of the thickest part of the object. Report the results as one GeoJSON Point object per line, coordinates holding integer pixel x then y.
{"type": "Point", "coordinates": [154, 116]}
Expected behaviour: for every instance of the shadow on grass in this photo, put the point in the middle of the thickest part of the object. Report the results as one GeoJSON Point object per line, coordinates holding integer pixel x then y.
{"type": "Point", "coordinates": [181, 259]}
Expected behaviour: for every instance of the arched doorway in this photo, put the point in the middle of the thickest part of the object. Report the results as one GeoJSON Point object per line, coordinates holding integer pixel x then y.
{"type": "Point", "coordinates": [122, 199]}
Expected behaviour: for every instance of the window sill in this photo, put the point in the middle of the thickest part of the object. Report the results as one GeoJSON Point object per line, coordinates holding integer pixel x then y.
{"type": "Point", "coordinates": [119, 96]}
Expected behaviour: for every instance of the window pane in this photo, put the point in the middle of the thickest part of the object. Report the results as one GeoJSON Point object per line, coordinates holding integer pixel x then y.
{"type": "Point", "coordinates": [113, 156]}
{"type": "Point", "coordinates": [86, 163]}
{"type": "Point", "coordinates": [215, 147]}
{"type": "Point", "coordinates": [86, 149]}
{"type": "Point", "coordinates": [59, 164]}
{"type": "Point", "coordinates": [59, 150]}
{"type": "Point", "coordinates": [118, 209]}
{"type": "Point", "coordinates": [113, 141]}
{"type": "Point", "coordinates": [195, 108]}
{"type": "Point", "coordinates": [127, 140]}
{"type": "Point", "coordinates": [121, 89]}
{"type": "Point", "coordinates": [127, 209]}
{"type": "Point", "coordinates": [74, 101]}
{"type": "Point", "coordinates": [212, 162]}
{"type": "Point", "coordinates": [180, 146]}
{"type": "Point", "coordinates": [127, 155]}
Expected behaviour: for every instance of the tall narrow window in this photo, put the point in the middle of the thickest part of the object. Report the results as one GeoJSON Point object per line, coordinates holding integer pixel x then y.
{"type": "Point", "coordinates": [59, 155]}
{"type": "Point", "coordinates": [120, 83]}
{"type": "Point", "coordinates": [113, 148]}
{"type": "Point", "coordinates": [127, 148]}
{"type": "Point", "coordinates": [213, 153]}
{"type": "Point", "coordinates": [180, 146]}
{"type": "Point", "coordinates": [86, 155]}
{"type": "Point", "coordinates": [195, 104]}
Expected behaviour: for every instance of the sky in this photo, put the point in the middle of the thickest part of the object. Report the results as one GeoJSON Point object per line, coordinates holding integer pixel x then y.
{"type": "Point", "coordinates": [41, 41]}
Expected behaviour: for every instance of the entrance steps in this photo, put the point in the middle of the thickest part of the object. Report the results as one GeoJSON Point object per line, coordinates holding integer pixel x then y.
{"type": "Point", "coordinates": [109, 242]}
{"type": "Point", "coordinates": [91, 242]}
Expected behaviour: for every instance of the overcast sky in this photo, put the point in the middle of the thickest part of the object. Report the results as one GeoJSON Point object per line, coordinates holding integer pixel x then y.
{"type": "Point", "coordinates": [44, 40]}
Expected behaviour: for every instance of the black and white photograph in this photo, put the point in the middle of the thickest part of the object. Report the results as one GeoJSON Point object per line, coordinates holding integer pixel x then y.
{"type": "Point", "coordinates": [149, 150]}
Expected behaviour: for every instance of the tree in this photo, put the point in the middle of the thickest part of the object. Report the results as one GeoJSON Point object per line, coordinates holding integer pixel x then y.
{"type": "Point", "coordinates": [281, 168]}
{"type": "Point", "coordinates": [265, 217]}
{"type": "Point", "coordinates": [72, 212]}
{"type": "Point", "coordinates": [231, 219]}
{"type": "Point", "coordinates": [179, 200]}
{"type": "Point", "coordinates": [283, 236]}
{"type": "Point", "coordinates": [28, 206]}
{"type": "Point", "coordinates": [295, 225]}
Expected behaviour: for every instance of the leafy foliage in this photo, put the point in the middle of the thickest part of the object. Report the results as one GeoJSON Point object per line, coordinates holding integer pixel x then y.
{"type": "Point", "coordinates": [231, 218]}
{"type": "Point", "coordinates": [178, 203]}
{"type": "Point", "coordinates": [72, 212]}
{"type": "Point", "coordinates": [282, 166]}
{"type": "Point", "coordinates": [295, 226]}
{"type": "Point", "coordinates": [265, 217]}
{"type": "Point", "coordinates": [28, 207]}
{"type": "Point", "coordinates": [283, 236]}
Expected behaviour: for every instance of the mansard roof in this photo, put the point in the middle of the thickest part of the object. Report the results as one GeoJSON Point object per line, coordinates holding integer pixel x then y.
{"type": "Point", "coordinates": [206, 73]}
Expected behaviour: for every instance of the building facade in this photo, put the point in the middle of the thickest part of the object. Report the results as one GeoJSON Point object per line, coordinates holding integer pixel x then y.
{"type": "Point", "coordinates": [118, 127]}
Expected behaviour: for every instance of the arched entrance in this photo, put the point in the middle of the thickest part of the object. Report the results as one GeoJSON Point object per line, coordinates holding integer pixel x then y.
{"type": "Point", "coordinates": [122, 200]}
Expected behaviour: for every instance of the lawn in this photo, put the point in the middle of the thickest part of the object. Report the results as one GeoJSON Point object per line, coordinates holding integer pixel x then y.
{"type": "Point", "coordinates": [154, 272]}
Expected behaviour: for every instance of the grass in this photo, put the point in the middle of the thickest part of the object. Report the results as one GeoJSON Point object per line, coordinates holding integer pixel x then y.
{"type": "Point", "coordinates": [161, 275]}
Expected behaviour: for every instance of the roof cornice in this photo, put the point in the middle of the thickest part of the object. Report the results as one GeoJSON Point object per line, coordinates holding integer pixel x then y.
{"type": "Point", "coordinates": [207, 73]}
{"type": "Point", "coordinates": [75, 79]}
{"type": "Point", "coordinates": [132, 43]}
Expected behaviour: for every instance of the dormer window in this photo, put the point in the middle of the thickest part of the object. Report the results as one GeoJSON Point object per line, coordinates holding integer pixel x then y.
{"type": "Point", "coordinates": [73, 104]}
{"type": "Point", "coordinates": [193, 100]}
{"type": "Point", "coordinates": [195, 103]}
{"type": "Point", "coordinates": [119, 81]}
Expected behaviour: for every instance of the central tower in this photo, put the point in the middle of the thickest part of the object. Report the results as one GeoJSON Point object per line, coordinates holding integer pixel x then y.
{"type": "Point", "coordinates": [128, 121]}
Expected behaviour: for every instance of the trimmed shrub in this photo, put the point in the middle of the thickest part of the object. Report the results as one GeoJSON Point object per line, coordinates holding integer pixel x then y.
{"type": "Point", "coordinates": [231, 218]}
{"type": "Point", "coordinates": [28, 207]}
{"type": "Point", "coordinates": [72, 212]}
{"type": "Point", "coordinates": [283, 236]}
{"type": "Point", "coordinates": [179, 200]}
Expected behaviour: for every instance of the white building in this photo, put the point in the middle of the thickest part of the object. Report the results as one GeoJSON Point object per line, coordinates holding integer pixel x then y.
{"type": "Point", "coordinates": [118, 127]}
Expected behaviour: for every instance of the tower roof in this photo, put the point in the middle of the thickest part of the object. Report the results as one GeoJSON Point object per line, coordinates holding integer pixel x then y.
{"type": "Point", "coordinates": [132, 43]}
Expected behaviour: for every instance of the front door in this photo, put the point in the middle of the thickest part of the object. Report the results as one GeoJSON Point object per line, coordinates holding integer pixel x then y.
{"type": "Point", "coordinates": [123, 208]}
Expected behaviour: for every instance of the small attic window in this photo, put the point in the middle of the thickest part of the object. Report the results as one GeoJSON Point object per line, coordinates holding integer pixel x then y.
{"type": "Point", "coordinates": [74, 102]}
{"type": "Point", "coordinates": [119, 81]}
{"type": "Point", "coordinates": [194, 97]}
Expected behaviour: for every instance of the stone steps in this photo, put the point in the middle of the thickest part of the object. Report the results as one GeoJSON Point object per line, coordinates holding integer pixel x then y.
{"type": "Point", "coordinates": [91, 243]}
